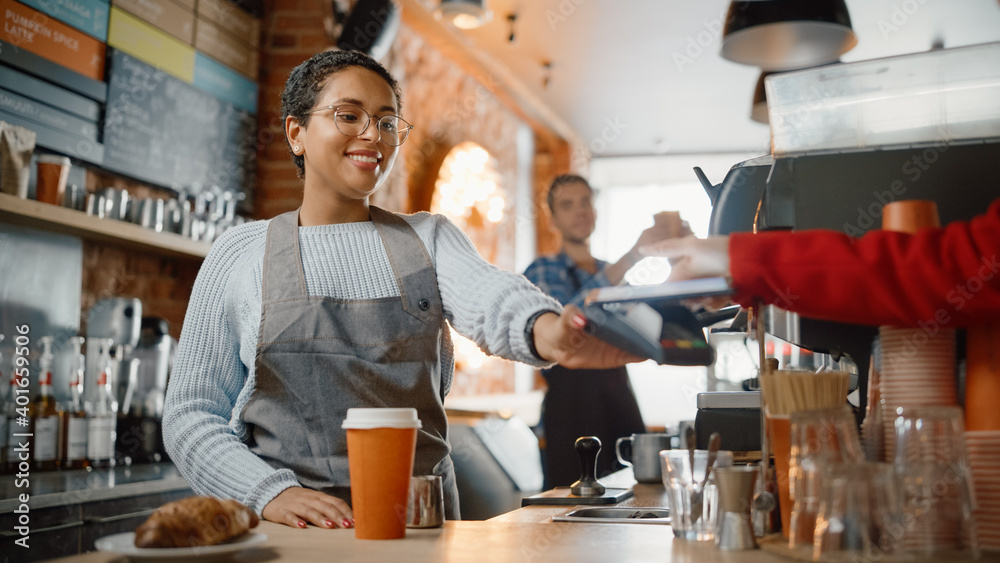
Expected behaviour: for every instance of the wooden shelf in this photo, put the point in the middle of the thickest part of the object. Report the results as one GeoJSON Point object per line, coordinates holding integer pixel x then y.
{"type": "Point", "coordinates": [30, 213]}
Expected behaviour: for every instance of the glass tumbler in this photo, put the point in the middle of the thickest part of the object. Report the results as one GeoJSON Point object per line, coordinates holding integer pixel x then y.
{"type": "Point", "coordinates": [859, 516]}
{"type": "Point", "coordinates": [818, 438]}
{"type": "Point", "coordinates": [933, 469]}
{"type": "Point", "coordinates": [694, 500]}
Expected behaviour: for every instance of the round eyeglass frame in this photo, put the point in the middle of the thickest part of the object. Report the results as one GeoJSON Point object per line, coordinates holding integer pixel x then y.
{"type": "Point", "coordinates": [404, 131]}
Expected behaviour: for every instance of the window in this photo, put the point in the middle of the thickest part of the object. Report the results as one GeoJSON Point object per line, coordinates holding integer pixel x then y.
{"type": "Point", "coordinates": [629, 192]}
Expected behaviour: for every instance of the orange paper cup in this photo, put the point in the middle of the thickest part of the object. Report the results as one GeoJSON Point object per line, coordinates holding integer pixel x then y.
{"type": "Point", "coordinates": [909, 216]}
{"type": "Point", "coordinates": [50, 185]}
{"type": "Point", "coordinates": [380, 448]}
{"type": "Point", "coordinates": [779, 428]}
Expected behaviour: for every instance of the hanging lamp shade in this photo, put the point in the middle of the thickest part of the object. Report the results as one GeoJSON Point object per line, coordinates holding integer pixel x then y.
{"type": "Point", "coordinates": [463, 14]}
{"type": "Point", "coordinates": [780, 35]}
{"type": "Point", "coordinates": [371, 28]}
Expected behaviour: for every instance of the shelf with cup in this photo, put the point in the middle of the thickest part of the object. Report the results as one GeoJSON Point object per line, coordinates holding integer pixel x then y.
{"type": "Point", "coordinates": [30, 213]}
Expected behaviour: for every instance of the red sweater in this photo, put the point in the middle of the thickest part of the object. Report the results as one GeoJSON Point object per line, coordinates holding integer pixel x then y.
{"type": "Point", "coordinates": [948, 276]}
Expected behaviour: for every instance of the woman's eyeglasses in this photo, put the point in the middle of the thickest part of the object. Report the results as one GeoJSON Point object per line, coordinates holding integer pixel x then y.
{"type": "Point", "coordinates": [353, 121]}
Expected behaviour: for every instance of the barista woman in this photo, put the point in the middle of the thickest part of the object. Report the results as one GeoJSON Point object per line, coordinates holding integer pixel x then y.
{"type": "Point", "coordinates": [340, 304]}
{"type": "Point", "coordinates": [950, 275]}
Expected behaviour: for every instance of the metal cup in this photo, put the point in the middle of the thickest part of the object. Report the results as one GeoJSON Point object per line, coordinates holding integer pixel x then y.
{"type": "Point", "coordinates": [425, 508]}
{"type": "Point", "coordinates": [150, 213]}
{"type": "Point", "coordinates": [119, 203]}
{"type": "Point", "coordinates": [96, 205]}
{"type": "Point", "coordinates": [74, 197]}
{"type": "Point", "coordinates": [736, 486]}
{"type": "Point", "coordinates": [644, 458]}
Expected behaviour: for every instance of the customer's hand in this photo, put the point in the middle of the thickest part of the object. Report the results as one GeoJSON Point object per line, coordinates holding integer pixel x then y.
{"type": "Point", "coordinates": [297, 506]}
{"type": "Point", "coordinates": [562, 339]}
{"type": "Point", "coordinates": [693, 257]}
{"type": "Point", "coordinates": [666, 226]}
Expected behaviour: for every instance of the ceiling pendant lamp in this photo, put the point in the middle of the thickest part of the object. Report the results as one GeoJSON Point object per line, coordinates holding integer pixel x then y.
{"type": "Point", "coordinates": [463, 14]}
{"type": "Point", "coordinates": [779, 35]}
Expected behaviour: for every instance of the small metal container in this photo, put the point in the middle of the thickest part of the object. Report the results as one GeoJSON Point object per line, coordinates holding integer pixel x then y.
{"type": "Point", "coordinates": [75, 197]}
{"type": "Point", "coordinates": [96, 205]}
{"type": "Point", "coordinates": [119, 204]}
{"type": "Point", "coordinates": [426, 502]}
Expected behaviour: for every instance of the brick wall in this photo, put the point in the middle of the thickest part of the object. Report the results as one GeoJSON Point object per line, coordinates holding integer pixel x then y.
{"type": "Point", "coordinates": [163, 283]}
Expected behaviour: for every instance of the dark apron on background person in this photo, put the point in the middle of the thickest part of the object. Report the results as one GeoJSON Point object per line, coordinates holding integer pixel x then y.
{"type": "Point", "coordinates": [585, 402]}
{"type": "Point", "coordinates": [319, 356]}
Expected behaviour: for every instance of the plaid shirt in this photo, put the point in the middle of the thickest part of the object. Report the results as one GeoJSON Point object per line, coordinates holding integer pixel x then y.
{"type": "Point", "coordinates": [560, 277]}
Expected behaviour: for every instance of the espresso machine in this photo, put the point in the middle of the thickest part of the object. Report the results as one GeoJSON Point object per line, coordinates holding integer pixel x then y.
{"type": "Point", "coordinates": [849, 138]}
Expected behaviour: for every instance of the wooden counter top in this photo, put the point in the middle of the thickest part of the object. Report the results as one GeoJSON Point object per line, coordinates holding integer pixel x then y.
{"type": "Point", "coordinates": [483, 542]}
{"type": "Point", "coordinates": [524, 535]}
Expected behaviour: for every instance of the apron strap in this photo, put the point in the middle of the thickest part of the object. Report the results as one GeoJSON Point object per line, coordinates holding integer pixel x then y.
{"type": "Point", "coordinates": [412, 266]}
{"type": "Point", "coordinates": [284, 278]}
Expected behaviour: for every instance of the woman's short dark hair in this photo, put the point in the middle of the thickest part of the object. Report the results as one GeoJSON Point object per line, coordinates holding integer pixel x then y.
{"type": "Point", "coordinates": [306, 81]}
{"type": "Point", "coordinates": [562, 180]}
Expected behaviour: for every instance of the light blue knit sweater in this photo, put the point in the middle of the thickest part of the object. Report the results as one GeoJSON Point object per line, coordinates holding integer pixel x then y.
{"type": "Point", "coordinates": [213, 372]}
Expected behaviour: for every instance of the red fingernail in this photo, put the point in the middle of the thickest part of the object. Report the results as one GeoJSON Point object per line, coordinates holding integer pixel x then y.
{"type": "Point", "coordinates": [352, 521]}
{"type": "Point", "coordinates": [580, 321]}
{"type": "Point", "coordinates": [329, 524]}
{"type": "Point", "coordinates": [347, 523]}
{"type": "Point", "coordinates": [302, 524]}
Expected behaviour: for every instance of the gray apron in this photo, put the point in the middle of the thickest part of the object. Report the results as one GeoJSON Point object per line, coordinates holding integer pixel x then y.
{"type": "Point", "coordinates": [319, 356]}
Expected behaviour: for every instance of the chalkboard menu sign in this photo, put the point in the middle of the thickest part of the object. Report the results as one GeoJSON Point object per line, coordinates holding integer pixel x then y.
{"type": "Point", "coordinates": [163, 131]}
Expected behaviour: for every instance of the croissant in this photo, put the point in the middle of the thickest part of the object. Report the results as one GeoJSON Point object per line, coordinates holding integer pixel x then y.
{"type": "Point", "coordinates": [195, 521]}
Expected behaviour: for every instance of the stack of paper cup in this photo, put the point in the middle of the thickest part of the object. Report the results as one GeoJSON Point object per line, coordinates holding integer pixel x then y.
{"type": "Point", "coordinates": [918, 370]}
{"type": "Point", "coordinates": [984, 458]}
{"type": "Point", "coordinates": [982, 419]}
{"type": "Point", "coordinates": [917, 365]}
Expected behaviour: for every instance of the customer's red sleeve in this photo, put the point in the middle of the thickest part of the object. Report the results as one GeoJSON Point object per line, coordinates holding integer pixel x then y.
{"type": "Point", "coordinates": [948, 276]}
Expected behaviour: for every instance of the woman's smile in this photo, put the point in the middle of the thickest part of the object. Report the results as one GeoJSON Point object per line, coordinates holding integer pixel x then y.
{"type": "Point", "coordinates": [365, 159]}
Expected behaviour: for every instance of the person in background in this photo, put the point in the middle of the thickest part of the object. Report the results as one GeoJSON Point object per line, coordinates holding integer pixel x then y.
{"type": "Point", "coordinates": [949, 276]}
{"type": "Point", "coordinates": [340, 304]}
{"type": "Point", "coordinates": [585, 402]}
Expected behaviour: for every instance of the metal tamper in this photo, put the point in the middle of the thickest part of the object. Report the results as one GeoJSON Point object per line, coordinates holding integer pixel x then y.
{"type": "Point", "coordinates": [588, 486]}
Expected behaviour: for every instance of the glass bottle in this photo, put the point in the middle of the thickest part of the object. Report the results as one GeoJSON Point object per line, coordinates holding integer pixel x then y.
{"type": "Point", "coordinates": [44, 415]}
{"type": "Point", "coordinates": [3, 414]}
{"type": "Point", "coordinates": [10, 415]}
{"type": "Point", "coordinates": [102, 414]}
{"type": "Point", "coordinates": [73, 443]}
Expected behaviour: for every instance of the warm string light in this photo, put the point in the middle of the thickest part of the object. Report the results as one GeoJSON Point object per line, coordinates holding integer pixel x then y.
{"type": "Point", "coordinates": [468, 356]}
{"type": "Point", "coordinates": [469, 191]}
{"type": "Point", "coordinates": [468, 185]}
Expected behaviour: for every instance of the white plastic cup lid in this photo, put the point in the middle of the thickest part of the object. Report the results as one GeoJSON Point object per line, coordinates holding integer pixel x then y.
{"type": "Point", "coordinates": [52, 159]}
{"type": "Point", "coordinates": [361, 419]}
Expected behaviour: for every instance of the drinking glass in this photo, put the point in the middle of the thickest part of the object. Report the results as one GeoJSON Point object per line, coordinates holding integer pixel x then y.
{"type": "Point", "coordinates": [859, 515]}
{"type": "Point", "coordinates": [933, 469]}
{"type": "Point", "coordinates": [687, 484]}
{"type": "Point", "coordinates": [818, 438]}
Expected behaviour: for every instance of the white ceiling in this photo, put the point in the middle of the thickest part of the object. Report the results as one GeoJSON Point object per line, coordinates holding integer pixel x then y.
{"type": "Point", "coordinates": [621, 79]}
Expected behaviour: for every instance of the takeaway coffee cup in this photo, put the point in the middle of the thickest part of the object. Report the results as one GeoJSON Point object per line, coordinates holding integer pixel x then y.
{"type": "Point", "coordinates": [380, 447]}
{"type": "Point", "coordinates": [53, 170]}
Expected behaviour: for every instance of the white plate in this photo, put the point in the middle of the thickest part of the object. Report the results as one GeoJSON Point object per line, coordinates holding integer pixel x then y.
{"type": "Point", "coordinates": [124, 544]}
